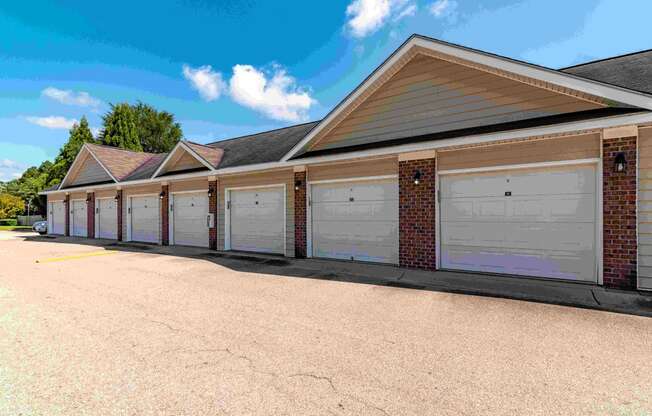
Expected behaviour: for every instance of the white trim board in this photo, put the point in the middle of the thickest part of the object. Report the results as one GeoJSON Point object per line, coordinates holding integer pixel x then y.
{"type": "Point", "coordinates": [355, 179]}
{"type": "Point", "coordinates": [392, 150]}
{"type": "Point", "coordinates": [227, 212]}
{"type": "Point", "coordinates": [520, 166]}
{"type": "Point", "coordinates": [78, 159]}
{"type": "Point", "coordinates": [505, 64]}
{"type": "Point", "coordinates": [187, 148]}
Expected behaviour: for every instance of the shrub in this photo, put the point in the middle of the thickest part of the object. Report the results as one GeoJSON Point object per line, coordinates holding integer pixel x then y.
{"type": "Point", "coordinates": [9, 221]}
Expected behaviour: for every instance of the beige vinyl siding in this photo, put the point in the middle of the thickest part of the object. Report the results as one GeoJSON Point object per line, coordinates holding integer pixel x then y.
{"type": "Point", "coordinates": [105, 193]}
{"type": "Point", "coordinates": [78, 195]}
{"type": "Point", "coordinates": [181, 160]}
{"type": "Point", "coordinates": [362, 168]}
{"type": "Point", "coordinates": [56, 197]}
{"type": "Point", "coordinates": [567, 148]}
{"type": "Point", "coordinates": [138, 190]}
{"type": "Point", "coordinates": [89, 172]}
{"type": "Point", "coordinates": [645, 208]}
{"type": "Point", "coordinates": [430, 95]}
{"type": "Point", "coordinates": [191, 185]}
{"type": "Point", "coordinates": [259, 179]}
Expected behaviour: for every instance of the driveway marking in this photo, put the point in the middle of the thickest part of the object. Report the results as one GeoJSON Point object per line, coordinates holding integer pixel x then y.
{"type": "Point", "coordinates": [77, 256]}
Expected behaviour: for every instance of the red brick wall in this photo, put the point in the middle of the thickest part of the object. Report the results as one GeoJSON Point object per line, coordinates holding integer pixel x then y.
{"type": "Point", "coordinates": [300, 215]}
{"type": "Point", "coordinates": [212, 209]}
{"type": "Point", "coordinates": [417, 205]}
{"type": "Point", "coordinates": [90, 215]}
{"type": "Point", "coordinates": [66, 204]}
{"type": "Point", "coordinates": [619, 214]}
{"type": "Point", "coordinates": [119, 208]}
{"type": "Point", "coordinates": [165, 219]}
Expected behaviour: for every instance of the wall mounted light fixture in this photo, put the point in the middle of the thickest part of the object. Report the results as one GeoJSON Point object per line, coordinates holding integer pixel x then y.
{"type": "Point", "coordinates": [210, 192]}
{"type": "Point", "coordinates": [417, 177]}
{"type": "Point", "coordinates": [620, 163]}
{"type": "Point", "coordinates": [297, 185]}
{"type": "Point", "coordinates": [161, 195]}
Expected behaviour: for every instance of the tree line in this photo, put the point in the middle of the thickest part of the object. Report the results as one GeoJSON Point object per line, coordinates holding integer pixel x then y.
{"type": "Point", "coordinates": [139, 127]}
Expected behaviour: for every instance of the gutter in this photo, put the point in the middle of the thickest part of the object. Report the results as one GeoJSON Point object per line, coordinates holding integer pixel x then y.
{"type": "Point", "coordinates": [606, 122]}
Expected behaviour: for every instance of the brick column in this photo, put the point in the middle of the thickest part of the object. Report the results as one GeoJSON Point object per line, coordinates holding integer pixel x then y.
{"type": "Point", "coordinates": [90, 215]}
{"type": "Point", "coordinates": [212, 209]}
{"type": "Point", "coordinates": [66, 204]}
{"type": "Point", "coordinates": [416, 208]}
{"type": "Point", "coordinates": [300, 214]}
{"type": "Point", "coordinates": [165, 216]}
{"type": "Point", "coordinates": [619, 214]}
{"type": "Point", "coordinates": [119, 209]}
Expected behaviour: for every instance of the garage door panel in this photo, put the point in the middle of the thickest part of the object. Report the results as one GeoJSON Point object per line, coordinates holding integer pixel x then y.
{"type": "Point", "coordinates": [545, 227]}
{"type": "Point", "coordinates": [58, 223]}
{"type": "Point", "coordinates": [79, 219]}
{"type": "Point", "coordinates": [553, 264]}
{"type": "Point", "coordinates": [257, 220]}
{"type": "Point", "coordinates": [107, 218]}
{"type": "Point", "coordinates": [145, 219]}
{"type": "Point", "coordinates": [190, 216]}
{"type": "Point", "coordinates": [356, 220]}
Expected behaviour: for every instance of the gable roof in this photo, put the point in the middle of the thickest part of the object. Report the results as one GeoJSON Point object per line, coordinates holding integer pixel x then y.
{"type": "Point", "coordinates": [119, 162]}
{"type": "Point", "coordinates": [632, 71]}
{"type": "Point", "coordinates": [522, 71]}
{"type": "Point", "coordinates": [268, 146]}
{"type": "Point", "coordinates": [212, 155]}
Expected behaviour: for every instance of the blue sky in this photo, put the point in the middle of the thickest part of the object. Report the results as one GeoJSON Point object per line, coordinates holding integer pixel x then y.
{"type": "Point", "coordinates": [232, 67]}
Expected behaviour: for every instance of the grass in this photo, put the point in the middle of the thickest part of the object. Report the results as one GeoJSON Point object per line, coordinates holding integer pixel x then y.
{"type": "Point", "coordinates": [15, 227]}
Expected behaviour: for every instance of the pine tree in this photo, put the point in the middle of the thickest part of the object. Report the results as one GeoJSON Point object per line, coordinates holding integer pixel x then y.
{"type": "Point", "coordinates": [120, 129]}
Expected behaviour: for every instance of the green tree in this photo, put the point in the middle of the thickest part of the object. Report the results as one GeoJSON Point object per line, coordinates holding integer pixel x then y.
{"type": "Point", "coordinates": [157, 130]}
{"type": "Point", "coordinates": [10, 206]}
{"type": "Point", "coordinates": [119, 128]}
{"type": "Point", "coordinates": [79, 134]}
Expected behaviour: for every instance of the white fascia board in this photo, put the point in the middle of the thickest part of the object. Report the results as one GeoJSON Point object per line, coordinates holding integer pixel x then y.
{"type": "Point", "coordinates": [395, 150]}
{"type": "Point", "coordinates": [181, 144]}
{"type": "Point", "coordinates": [561, 79]}
{"type": "Point", "coordinates": [78, 159]}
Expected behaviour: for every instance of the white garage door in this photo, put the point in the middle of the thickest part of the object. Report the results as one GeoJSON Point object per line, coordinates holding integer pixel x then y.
{"type": "Point", "coordinates": [355, 220]}
{"type": "Point", "coordinates": [190, 219]}
{"type": "Point", "coordinates": [257, 220]}
{"type": "Point", "coordinates": [107, 218]}
{"type": "Point", "coordinates": [78, 219]}
{"type": "Point", "coordinates": [144, 218]}
{"type": "Point", "coordinates": [57, 223]}
{"type": "Point", "coordinates": [526, 222]}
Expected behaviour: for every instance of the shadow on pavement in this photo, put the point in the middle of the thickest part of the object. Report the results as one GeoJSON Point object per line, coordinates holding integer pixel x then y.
{"type": "Point", "coordinates": [555, 292]}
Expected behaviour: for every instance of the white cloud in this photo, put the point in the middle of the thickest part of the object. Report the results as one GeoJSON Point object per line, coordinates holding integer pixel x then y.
{"type": "Point", "coordinates": [274, 94]}
{"type": "Point", "coordinates": [207, 82]}
{"type": "Point", "coordinates": [70, 97]}
{"type": "Point", "coordinates": [53, 122]}
{"type": "Point", "coordinates": [409, 10]}
{"type": "Point", "coordinates": [367, 16]}
{"type": "Point", "coordinates": [10, 169]}
{"type": "Point", "coordinates": [444, 9]}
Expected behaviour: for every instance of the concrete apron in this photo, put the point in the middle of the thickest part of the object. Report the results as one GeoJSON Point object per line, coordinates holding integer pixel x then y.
{"type": "Point", "coordinates": [580, 295]}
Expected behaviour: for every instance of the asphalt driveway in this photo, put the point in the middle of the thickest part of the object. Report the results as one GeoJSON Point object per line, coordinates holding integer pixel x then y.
{"type": "Point", "coordinates": [87, 331]}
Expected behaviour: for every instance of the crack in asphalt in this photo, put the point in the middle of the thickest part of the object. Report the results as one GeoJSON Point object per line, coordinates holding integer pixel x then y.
{"type": "Point", "coordinates": [316, 377]}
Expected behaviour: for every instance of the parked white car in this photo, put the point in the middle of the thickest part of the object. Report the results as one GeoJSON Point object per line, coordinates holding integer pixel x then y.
{"type": "Point", "coordinates": [40, 227]}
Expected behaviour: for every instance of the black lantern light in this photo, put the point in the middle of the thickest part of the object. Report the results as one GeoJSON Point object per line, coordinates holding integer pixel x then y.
{"type": "Point", "coordinates": [210, 192]}
{"type": "Point", "coordinates": [297, 185]}
{"type": "Point", "coordinates": [417, 177]}
{"type": "Point", "coordinates": [620, 163]}
{"type": "Point", "coordinates": [117, 196]}
{"type": "Point", "coordinates": [161, 195]}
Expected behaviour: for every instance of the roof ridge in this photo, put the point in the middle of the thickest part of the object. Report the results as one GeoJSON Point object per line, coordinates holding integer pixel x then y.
{"type": "Point", "coordinates": [121, 149]}
{"type": "Point", "coordinates": [260, 132]}
{"type": "Point", "coordinates": [606, 59]}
